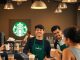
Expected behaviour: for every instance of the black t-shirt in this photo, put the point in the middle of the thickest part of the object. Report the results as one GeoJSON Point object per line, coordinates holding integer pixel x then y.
{"type": "Point", "coordinates": [30, 43]}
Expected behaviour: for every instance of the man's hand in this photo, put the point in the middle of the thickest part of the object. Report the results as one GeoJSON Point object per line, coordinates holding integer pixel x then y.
{"type": "Point", "coordinates": [56, 54]}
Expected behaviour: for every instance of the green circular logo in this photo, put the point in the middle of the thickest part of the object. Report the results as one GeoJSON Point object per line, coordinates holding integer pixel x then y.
{"type": "Point", "coordinates": [20, 29]}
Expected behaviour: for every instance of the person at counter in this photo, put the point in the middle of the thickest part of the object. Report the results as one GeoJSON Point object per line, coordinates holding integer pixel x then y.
{"type": "Point", "coordinates": [27, 37]}
{"type": "Point", "coordinates": [72, 39]}
{"type": "Point", "coordinates": [38, 45]}
{"type": "Point", "coordinates": [58, 38]}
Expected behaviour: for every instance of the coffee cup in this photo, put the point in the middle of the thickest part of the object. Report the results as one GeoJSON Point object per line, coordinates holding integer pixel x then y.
{"type": "Point", "coordinates": [10, 56]}
{"type": "Point", "coordinates": [31, 57]}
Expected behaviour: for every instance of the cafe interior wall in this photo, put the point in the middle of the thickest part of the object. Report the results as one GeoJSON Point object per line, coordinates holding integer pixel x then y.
{"type": "Point", "coordinates": [45, 17]}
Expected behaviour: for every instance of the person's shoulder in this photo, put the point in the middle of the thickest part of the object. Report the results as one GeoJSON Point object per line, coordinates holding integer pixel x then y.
{"type": "Point", "coordinates": [68, 54]}
{"type": "Point", "coordinates": [31, 39]}
{"type": "Point", "coordinates": [66, 51]}
{"type": "Point", "coordinates": [31, 36]}
{"type": "Point", "coordinates": [47, 41]}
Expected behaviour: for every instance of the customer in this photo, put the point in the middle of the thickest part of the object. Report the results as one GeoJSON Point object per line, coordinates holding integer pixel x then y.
{"type": "Point", "coordinates": [28, 36]}
{"type": "Point", "coordinates": [72, 39]}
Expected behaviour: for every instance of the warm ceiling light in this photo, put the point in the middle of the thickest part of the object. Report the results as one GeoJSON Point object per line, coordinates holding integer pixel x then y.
{"type": "Point", "coordinates": [19, 1]}
{"type": "Point", "coordinates": [79, 8]}
{"type": "Point", "coordinates": [62, 6]}
{"type": "Point", "coordinates": [58, 10]}
{"type": "Point", "coordinates": [69, 1]}
{"type": "Point", "coordinates": [8, 6]}
{"type": "Point", "coordinates": [38, 5]}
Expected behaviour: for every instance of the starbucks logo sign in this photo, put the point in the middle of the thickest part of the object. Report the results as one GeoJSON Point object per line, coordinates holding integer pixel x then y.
{"type": "Point", "coordinates": [20, 29]}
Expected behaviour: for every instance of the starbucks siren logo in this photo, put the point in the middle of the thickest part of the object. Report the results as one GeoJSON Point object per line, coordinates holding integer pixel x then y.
{"type": "Point", "coordinates": [20, 29]}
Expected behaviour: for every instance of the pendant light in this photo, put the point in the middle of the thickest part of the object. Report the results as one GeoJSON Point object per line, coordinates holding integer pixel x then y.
{"type": "Point", "coordinates": [58, 10]}
{"type": "Point", "coordinates": [19, 1]}
{"type": "Point", "coordinates": [8, 5]}
{"type": "Point", "coordinates": [38, 5]}
{"type": "Point", "coordinates": [62, 5]}
{"type": "Point", "coordinates": [69, 1]}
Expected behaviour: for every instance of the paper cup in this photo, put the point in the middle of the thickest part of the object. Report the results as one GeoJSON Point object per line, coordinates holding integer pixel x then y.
{"type": "Point", "coordinates": [7, 46]}
{"type": "Point", "coordinates": [10, 56]}
{"type": "Point", "coordinates": [31, 57]}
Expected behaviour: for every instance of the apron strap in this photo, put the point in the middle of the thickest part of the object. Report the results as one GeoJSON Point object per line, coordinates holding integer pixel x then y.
{"type": "Point", "coordinates": [35, 43]}
{"type": "Point", "coordinates": [42, 51]}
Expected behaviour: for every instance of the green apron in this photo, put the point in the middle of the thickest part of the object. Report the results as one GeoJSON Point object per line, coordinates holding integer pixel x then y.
{"type": "Point", "coordinates": [62, 47]}
{"type": "Point", "coordinates": [38, 50]}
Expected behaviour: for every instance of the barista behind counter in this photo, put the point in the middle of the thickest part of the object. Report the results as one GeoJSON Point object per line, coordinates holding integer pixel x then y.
{"type": "Point", "coordinates": [37, 45]}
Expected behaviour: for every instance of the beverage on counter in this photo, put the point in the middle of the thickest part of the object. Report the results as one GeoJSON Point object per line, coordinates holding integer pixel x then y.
{"type": "Point", "coordinates": [31, 57]}
{"type": "Point", "coordinates": [11, 57]}
{"type": "Point", "coordinates": [7, 46]}
{"type": "Point", "coordinates": [16, 47]}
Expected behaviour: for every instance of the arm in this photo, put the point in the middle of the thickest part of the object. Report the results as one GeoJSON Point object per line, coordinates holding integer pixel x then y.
{"type": "Point", "coordinates": [66, 55]}
{"type": "Point", "coordinates": [26, 48]}
{"type": "Point", "coordinates": [47, 48]}
{"type": "Point", "coordinates": [25, 39]}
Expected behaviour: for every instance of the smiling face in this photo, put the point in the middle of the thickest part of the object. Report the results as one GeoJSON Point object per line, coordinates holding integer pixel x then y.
{"type": "Point", "coordinates": [39, 32]}
{"type": "Point", "coordinates": [57, 34]}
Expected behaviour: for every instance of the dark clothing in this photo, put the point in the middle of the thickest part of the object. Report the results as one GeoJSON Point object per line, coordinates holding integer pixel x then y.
{"type": "Point", "coordinates": [62, 46]}
{"type": "Point", "coordinates": [55, 44]}
{"type": "Point", "coordinates": [29, 45]}
{"type": "Point", "coordinates": [4, 55]}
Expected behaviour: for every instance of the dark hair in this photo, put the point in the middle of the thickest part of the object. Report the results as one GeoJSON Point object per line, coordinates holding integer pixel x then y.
{"type": "Point", "coordinates": [55, 28]}
{"type": "Point", "coordinates": [73, 34]}
{"type": "Point", "coordinates": [39, 26]}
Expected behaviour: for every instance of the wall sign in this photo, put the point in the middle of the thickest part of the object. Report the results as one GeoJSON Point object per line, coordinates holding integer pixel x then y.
{"type": "Point", "coordinates": [20, 29]}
